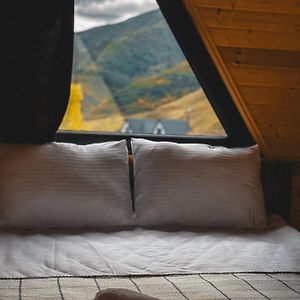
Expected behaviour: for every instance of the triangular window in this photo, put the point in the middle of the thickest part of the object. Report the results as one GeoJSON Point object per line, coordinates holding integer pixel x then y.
{"type": "Point", "coordinates": [129, 69]}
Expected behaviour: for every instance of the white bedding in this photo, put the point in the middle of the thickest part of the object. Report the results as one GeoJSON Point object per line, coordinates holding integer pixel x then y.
{"type": "Point", "coordinates": [142, 251]}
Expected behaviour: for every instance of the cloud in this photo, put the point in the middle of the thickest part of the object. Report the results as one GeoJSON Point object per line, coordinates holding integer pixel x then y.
{"type": "Point", "coordinates": [92, 13]}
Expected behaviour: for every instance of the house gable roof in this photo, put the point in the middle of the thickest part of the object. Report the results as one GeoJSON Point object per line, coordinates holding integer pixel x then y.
{"type": "Point", "coordinates": [175, 126]}
{"type": "Point", "coordinates": [147, 126]}
{"type": "Point", "coordinates": [141, 126]}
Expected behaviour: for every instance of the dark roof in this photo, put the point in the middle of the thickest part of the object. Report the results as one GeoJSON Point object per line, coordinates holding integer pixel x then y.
{"type": "Point", "coordinates": [142, 125]}
{"type": "Point", "coordinates": [175, 126]}
{"type": "Point", "coordinates": [147, 126]}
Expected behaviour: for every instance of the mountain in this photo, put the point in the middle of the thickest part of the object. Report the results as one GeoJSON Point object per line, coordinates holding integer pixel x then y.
{"type": "Point", "coordinates": [193, 107]}
{"type": "Point", "coordinates": [124, 65]}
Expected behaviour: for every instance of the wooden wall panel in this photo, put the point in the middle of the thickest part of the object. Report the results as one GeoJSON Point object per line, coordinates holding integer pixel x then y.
{"type": "Point", "coordinates": [255, 46]}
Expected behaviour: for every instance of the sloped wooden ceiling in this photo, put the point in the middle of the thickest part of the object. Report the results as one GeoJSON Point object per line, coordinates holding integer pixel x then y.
{"type": "Point", "coordinates": [255, 45]}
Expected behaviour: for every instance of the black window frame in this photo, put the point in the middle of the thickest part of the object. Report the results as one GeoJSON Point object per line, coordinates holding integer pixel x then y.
{"type": "Point", "coordinates": [206, 73]}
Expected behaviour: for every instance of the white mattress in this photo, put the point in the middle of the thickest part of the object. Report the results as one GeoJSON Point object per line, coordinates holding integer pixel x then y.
{"type": "Point", "coordinates": [142, 251]}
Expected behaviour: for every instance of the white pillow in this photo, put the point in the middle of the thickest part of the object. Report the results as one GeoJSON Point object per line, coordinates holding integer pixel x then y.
{"type": "Point", "coordinates": [197, 185]}
{"type": "Point", "coordinates": [59, 185]}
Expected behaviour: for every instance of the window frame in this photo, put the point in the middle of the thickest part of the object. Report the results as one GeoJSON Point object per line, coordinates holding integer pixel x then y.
{"type": "Point", "coordinates": [209, 79]}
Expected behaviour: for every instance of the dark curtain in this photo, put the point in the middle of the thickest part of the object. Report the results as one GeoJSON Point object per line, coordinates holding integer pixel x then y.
{"type": "Point", "coordinates": [36, 62]}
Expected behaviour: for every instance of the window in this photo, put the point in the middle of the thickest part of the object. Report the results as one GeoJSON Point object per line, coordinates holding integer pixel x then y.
{"type": "Point", "coordinates": [130, 76]}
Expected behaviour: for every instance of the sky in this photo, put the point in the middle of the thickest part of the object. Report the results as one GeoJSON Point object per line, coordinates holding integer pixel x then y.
{"type": "Point", "coordinates": [93, 13]}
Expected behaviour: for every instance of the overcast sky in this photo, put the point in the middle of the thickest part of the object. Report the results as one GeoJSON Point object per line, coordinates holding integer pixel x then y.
{"type": "Point", "coordinates": [92, 13]}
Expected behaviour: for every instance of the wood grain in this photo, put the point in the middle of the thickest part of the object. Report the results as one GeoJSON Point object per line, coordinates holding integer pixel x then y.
{"type": "Point", "coordinates": [271, 95]}
{"type": "Point", "coordinates": [225, 75]}
{"type": "Point", "coordinates": [271, 6]}
{"type": "Point", "coordinates": [283, 152]}
{"type": "Point", "coordinates": [233, 19]}
{"type": "Point", "coordinates": [278, 131]}
{"type": "Point", "coordinates": [254, 39]}
{"type": "Point", "coordinates": [276, 113]}
{"type": "Point", "coordinates": [260, 57]}
{"type": "Point", "coordinates": [258, 76]}
{"type": "Point", "coordinates": [255, 46]}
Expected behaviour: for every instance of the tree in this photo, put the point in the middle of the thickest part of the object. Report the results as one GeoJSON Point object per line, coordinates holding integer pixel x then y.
{"type": "Point", "coordinates": [73, 119]}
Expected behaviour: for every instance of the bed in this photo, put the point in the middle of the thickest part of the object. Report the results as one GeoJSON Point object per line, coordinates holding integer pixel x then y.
{"type": "Point", "coordinates": [144, 253]}
{"type": "Point", "coordinates": [167, 264]}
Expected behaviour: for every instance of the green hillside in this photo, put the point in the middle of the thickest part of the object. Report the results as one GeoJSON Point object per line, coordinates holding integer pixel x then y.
{"type": "Point", "coordinates": [168, 85]}
{"type": "Point", "coordinates": [122, 65]}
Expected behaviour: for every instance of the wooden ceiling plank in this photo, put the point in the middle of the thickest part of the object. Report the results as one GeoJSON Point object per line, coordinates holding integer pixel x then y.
{"type": "Point", "coordinates": [260, 21]}
{"type": "Point", "coordinates": [275, 143]}
{"type": "Point", "coordinates": [261, 57]}
{"type": "Point", "coordinates": [228, 80]}
{"type": "Point", "coordinates": [280, 131]}
{"type": "Point", "coordinates": [255, 46]}
{"type": "Point", "coordinates": [271, 114]}
{"type": "Point", "coordinates": [275, 6]}
{"type": "Point", "coordinates": [283, 152]}
{"type": "Point", "coordinates": [255, 76]}
{"type": "Point", "coordinates": [267, 95]}
{"type": "Point", "coordinates": [242, 38]}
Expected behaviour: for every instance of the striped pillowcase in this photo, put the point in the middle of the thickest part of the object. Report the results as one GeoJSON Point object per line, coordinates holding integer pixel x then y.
{"type": "Point", "coordinates": [197, 185]}
{"type": "Point", "coordinates": [60, 185]}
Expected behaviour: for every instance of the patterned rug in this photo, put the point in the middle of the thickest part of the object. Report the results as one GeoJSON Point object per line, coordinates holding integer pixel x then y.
{"type": "Point", "coordinates": [173, 287]}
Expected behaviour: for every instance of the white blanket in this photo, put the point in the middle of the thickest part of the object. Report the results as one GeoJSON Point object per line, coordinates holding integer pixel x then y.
{"type": "Point", "coordinates": [141, 251]}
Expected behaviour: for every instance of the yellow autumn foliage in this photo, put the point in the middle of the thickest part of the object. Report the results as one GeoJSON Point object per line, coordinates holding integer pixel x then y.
{"type": "Point", "coordinates": [73, 119]}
